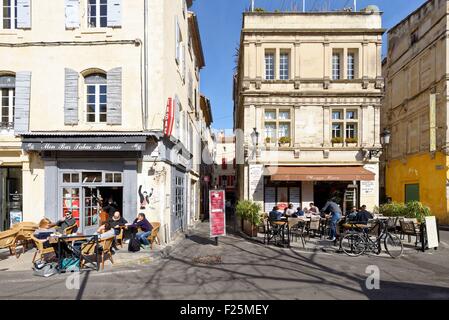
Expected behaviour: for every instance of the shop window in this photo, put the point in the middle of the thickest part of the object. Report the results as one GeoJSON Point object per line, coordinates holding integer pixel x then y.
{"type": "Point", "coordinates": [96, 98]}
{"type": "Point", "coordinates": [70, 178]}
{"type": "Point", "coordinates": [71, 202]}
{"type": "Point", "coordinates": [113, 177]}
{"type": "Point", "coordinates": [92, 177]}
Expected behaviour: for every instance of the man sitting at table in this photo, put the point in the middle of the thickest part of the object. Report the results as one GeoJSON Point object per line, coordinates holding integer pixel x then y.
{"type": "Point", "coordinates": [144, 225]}
{"type": "Point", "coordinates": [117, 221]}
{"type": "Point", "coordinates": [63, 224]}
{"type": "Point", "coordinates": [363, 216]}
{"type": "Point", "coordinates": [299, 212]}
{"type": "Point", "coordinates": [275, 214]}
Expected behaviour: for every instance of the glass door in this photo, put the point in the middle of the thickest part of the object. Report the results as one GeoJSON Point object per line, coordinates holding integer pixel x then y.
{"type": "Point", "coordinates": [91, 210]}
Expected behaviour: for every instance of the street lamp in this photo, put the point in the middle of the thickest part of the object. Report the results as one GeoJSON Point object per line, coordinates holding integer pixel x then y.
{"type": "Point", "coordinates": [255, 137]}
{"type": "Point", "coordinates": [385, 137]}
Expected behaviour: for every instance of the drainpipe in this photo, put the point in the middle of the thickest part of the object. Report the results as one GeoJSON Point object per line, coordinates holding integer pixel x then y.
{"type": "Point", "coordinates": [145, 42]}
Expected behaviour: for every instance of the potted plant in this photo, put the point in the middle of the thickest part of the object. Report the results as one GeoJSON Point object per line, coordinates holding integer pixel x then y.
{"type": "Point", "coordinates": [416, 210]}
{"type": "Point", "coordinates": [351, 142]}
{"type": "Point", "coordinates": [284, 142]}
{"type": "Point", "coordinates": [337, 142]}
{"type": "Point", "coordinates": [269, 142]}
{"type": "Point", "coordinates": [249, 212]}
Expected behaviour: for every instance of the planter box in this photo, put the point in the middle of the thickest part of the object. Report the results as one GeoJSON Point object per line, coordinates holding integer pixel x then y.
{"type": "Point", "coordinates": [284, 145]}
{"type": "Point", "coordinates": [337, 145]}
{"type": "Point", "coordinates": [351, 145]}
{"type": "Point", "coordinates": [249, 229]}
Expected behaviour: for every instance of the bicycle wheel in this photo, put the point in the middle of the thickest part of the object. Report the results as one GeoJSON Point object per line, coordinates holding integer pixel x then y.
{"type": "Point", "coordinates": [393, 245]}
{"type": "Point", "coordinates": [353, 244]}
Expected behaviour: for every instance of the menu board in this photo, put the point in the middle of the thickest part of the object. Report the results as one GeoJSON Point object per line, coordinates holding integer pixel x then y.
{"type": "Point", "coordinates": [217, 215]}
{"type": "Point", "coordinates": [431, 232]}
{"type": "Point", "coordinates": [270, 198]}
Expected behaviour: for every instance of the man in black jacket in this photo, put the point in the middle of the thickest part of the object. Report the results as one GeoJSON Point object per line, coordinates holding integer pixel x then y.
{"type": "Point", "coordinates": [363, 216]}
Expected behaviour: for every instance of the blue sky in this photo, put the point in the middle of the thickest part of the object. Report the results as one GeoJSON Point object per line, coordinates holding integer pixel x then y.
{"type": "Point", "coordinates": [220, 23]}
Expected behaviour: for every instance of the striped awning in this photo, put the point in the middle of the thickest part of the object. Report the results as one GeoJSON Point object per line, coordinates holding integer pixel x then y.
{"type": "Point", "coordinates": [337, 173]}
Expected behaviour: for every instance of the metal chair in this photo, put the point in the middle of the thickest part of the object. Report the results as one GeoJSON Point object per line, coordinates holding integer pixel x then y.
{"type": "Point", "coordinates": [297, 229]}
{"type": "Point", "coordinates": [409, 228]}
{"type": "Point", "coordinates": [314, 225]}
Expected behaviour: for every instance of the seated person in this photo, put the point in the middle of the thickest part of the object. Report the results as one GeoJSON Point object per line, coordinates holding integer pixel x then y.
{"type": "Point", "coordinates": [289, 211]}
{"type": "Point", "coordinates": [105, 231]}
{"type": "Point", "coordinates": [363, 216]}
{"type": "Point", "coordinates": [146, 227]}
{"type": "Point", "coordinates": [313, 210]}
{"type": "Point", "coordinates": [44, 228]}
{"type": "Point", "coordinates": [275, 214]}
{"type": "Point", "coordinates": [352, 215]}
{"type": "Point", "coordinates": [117, 221]}
{"type": "Point", "coordinates": [61, 225]}
{"type": "Point", "coordinates": [299, 212]}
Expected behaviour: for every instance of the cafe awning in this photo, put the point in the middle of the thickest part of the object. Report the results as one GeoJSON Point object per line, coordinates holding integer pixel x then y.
{"type": "Point", "coordinates": [337, 173]}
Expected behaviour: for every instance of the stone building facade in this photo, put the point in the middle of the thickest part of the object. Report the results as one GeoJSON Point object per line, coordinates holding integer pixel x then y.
{"type": "Point", "coordinates": [92, 82]}
{"type": "Point", "coordinates": [415, 109]}
{"type": "Point", "coordinates": [310, 84]}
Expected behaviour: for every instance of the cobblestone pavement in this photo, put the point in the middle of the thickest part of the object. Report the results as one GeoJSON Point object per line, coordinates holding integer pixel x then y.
{"type": "Point", "coordinates": [240, 269]}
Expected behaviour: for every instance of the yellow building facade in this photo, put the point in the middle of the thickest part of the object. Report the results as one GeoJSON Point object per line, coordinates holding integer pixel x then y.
{"type": "Point", "coordinates": [415, 109]}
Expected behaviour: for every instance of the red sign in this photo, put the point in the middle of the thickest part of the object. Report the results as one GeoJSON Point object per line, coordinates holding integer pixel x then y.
{"type": "Point", "coordinates": [217, 213]}
{"type": "Point", "coordinates": [169, 119]}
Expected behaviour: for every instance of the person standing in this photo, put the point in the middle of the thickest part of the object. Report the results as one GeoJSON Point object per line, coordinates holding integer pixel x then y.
{"type": "Point", "coordinates": [111, 207]}
{"type": "Point", "coordinates": [335, 213]}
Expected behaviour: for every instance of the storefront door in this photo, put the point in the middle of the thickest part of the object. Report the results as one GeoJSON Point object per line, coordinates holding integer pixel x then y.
{"type": "Point", "coordinates": [91, 210]}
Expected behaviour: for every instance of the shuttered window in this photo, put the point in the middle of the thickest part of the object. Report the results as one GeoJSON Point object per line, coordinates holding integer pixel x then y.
{"type": "Point", "coordinates": [22, 102]}
{"type": "Point", "coordinates": [7, 108]}
{"type": "Point", "coordinates": [97, 13]}
{"type": "Point", "coordinates": [8, 14]}
{"type": "Point", "coordinates": [96, 98]}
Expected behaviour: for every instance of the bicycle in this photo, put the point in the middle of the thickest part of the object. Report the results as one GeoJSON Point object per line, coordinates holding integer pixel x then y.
{"type": "Point", "coordinates": [357, 240]}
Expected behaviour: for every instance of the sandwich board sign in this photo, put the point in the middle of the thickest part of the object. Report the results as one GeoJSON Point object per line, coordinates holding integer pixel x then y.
{"type": "Point", "coordinates": [431, 232]}
{"type": "Point", "coordinates": [217, 213]}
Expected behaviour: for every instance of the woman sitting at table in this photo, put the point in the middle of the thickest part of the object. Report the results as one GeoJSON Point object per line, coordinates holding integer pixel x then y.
{"type": "Point", "coordinates": [275, 214]}
{"type": "Point", "coordinates": [105, 231]}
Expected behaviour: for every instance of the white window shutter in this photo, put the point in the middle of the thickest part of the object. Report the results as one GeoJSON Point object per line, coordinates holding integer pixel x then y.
{"type": "Point", "coordinates": [184, 63]}
{"type": "Point", "coordinates": [114, 96]}
{"type": "Point", "coordinates": [22, 105]}
{"type": "Point", "coordinates": [72, 14]}
{"type": "Point", "coordinates": [71, 93]}
{"type": "Point", "coordinates": [114, 13]}
{"type": "Point", "coordinates": [24, 14]}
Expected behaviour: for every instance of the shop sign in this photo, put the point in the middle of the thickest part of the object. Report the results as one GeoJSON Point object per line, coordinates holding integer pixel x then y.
{"type": "Point", "coordinates": [48, 146]}
{"type": "Point", "coordinates": [169, 118]}
{"type": "Point", "coordinates": [367, 187]}
{"type": "Point", "coordinates": [217, 214]}
{"type": "Point", "coordinates": [431, 232]}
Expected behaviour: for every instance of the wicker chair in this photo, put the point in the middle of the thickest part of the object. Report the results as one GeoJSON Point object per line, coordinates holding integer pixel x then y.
{"type": "Point", "coordinates": [88, 249]}
{"type": "Point", "coordinates": [8, 240]}
{"type": "Point", "coordinates": [24, 232]}
{"type": "Point", "coordinates": [297, 229]}
{"type": "Point", "coordinates": [40, 249]}
{"type": "Point", "coordinates": [119, 237]}
{"type": "Point", "coordinates": [154, 233]}
{"type": "Point", "coordinates": [70, 230]}
{"type": "Point", "coordinates": [314, 225]}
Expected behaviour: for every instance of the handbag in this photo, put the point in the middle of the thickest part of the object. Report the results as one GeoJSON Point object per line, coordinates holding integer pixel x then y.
{"type": "Point", "coordinates": [45, 269]}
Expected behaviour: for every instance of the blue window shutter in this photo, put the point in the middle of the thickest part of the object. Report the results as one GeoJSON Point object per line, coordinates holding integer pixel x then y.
{"type": "Point", "coordinates": [72, 14]}
{"type": "Point", "coordinates": [22, 104]}
{"type": "Point", "coordinates": [24, 14]}
{"type": "Point", "coordinates": [114, 13]}
{"type": "Point", "coordinates": [71, 97]}
{"type": "Point", "coordinates": [114, 96]}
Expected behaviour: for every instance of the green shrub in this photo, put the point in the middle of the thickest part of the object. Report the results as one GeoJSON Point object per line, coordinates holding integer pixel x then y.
{"type": "Point", "coordinates": [337, 140]}
{"type": "Point", "coordinates": [249, 210]}
{"type": "Point", "coordinates": [393, 209]}
{"type": "Point", "coordinates": [285, 140]}
{"type": "Point", "coordinates": [351, 140]}
{"type": "Point", "coordinates": [259, 10]}
{"type": "Point", "coordinates": [416, 209]}
{"type": "Point", "coordinates": [268, 140]}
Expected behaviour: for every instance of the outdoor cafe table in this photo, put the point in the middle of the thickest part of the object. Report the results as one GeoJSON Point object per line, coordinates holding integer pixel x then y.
{"type": "Point", "coordinates": [283, 223]}
{"type": "Point", "coordinates": [69, 242]}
